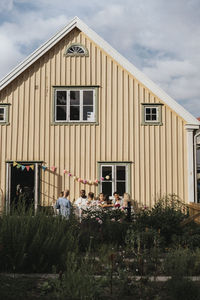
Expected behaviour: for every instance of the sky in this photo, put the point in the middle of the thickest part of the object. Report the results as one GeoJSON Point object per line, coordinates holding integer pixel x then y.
{"type": "Point", "coordinates": [161, 38]}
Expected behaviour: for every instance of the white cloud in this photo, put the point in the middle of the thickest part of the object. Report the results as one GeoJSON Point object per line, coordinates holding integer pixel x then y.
{"type": "Point", "coordinates": [6, 5]}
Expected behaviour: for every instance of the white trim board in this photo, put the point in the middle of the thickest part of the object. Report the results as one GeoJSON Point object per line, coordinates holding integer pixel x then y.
{"type": "Point", "coordinates": [76, 22]}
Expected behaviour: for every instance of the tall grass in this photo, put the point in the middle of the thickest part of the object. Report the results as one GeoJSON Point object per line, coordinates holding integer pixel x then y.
{"type": "Point", "coordinates": [35, 243]}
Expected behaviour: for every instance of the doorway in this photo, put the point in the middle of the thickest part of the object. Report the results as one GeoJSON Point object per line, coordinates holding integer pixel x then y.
{"type": "Point", "coordinates": [22, 187]}
{"type": "Point", "coordinates": [22, 184]}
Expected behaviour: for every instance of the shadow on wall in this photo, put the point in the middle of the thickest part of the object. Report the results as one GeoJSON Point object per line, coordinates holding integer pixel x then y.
{"type": "Point", "coordinates": [52, 185]}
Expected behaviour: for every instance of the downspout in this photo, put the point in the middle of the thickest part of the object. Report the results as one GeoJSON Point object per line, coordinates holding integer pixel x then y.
{"type": "Point", "coordinates": [190, 151]}
{"type": "Point", "coordinates": [195, 165]}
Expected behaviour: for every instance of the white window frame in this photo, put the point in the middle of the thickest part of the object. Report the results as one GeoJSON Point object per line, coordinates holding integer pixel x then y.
{"type": "Point", "coordinates": [157, 112]}
{"type": "Point", "coordinates": [84, 53]}
{"type": "Point", "coordinates": [114, 176]}
{"type": "Point", "coordinates": [81, 90]}
{"type": "Point", "coordinates": [5, 108]}
{"type": "Point", "coordinates": [158, 107]}
{"type": "Point", "coordinates": [4, 114]}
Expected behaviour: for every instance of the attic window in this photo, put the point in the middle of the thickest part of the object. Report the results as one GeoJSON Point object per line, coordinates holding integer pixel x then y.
{"type": "Point", "coordinates": [76, 50]}
{"type": "Point", "coordinates": [151, 114]}
{"type": "Point", "coordinates": [3, 114]}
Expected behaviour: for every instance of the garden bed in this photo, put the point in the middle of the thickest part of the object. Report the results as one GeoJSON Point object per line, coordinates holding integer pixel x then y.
{"type": "Point", "coordinates": [106, 255]}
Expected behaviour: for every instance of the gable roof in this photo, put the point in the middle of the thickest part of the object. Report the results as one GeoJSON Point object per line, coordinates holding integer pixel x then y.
{"type": "Point", "coordinates": [76, 22]}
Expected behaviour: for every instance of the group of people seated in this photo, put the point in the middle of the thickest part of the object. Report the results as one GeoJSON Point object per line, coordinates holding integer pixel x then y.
{"type": "Point", "coordinates": [85, 202]}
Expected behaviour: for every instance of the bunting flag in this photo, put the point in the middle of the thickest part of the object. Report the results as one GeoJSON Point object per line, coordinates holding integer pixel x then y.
{"type": "Point", "coordinates": [23, 167]}
{"type": "Point", "coordinates": [53, 168]}
{"type": "Point", "coordinates": [80, 180]}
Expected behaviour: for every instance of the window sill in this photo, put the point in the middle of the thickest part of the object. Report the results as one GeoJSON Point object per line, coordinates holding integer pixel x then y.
{"type": "Point", "coordinates": [4, 123]}
{"type": "Point", "coordinates": [152, 124]}
{"type": "Point", "coordinates": [74, 123]}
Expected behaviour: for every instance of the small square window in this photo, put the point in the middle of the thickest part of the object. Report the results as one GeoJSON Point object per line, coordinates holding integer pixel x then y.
{"type": "Point", "coordinates": [3, 114]}
{"type": "Point", "coordinates": [152, 114]}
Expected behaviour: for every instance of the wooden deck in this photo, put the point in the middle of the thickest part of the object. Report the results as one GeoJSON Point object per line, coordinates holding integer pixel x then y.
{"type": "Point", "coordinates": [194, 212]}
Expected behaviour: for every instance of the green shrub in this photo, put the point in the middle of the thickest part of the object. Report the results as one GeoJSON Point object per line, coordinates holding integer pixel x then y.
{"type": "Point", "coordinates": [104, 226]}
{"type": "Point", "coordinates": [179, 263]}
{"type": "Point", "coordinates": [182, 262]}
{"type": "Point", "coordinates": [78, 281]}
{"type": "Point", "coordinates": [182, 289]}
{"type": "Point", "coordinates": [165, 217]}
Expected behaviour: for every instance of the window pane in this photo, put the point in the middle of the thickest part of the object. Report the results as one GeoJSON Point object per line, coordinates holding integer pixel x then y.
{"type": "Point", "coordinates": [148, 117]}
{"type": "Point", "coordinates": [88, 113]}
{"type": "Point", "coordinates": [61, 98]}
{"type": "Point", "coordinates": [74, 98]}
{"type": "Point", "coordinates": [74, 113]}
{"type": "Point", "coordinates": [1, 117]}
{"type": "Point", "coordinates": [154, 117]}
{"type": "Point", "coordinates": [107, 171]}
{"type": "Point", "coordinates": [121, 173]}
{"type": "Point", "coordinates": [2, 111]}
{"type": "Point", "coordinates": [107, 188]}
{"type": "Point", "coordinates": [87, 97]}
{"type": "Point", "coordinates": [61, 113]}
{"type": "Point", "coordinates": [121, 188]}
{"type": "Point", "coordinates": [147, 110]}
{"type": "Point", "coordinates": [153, 111]}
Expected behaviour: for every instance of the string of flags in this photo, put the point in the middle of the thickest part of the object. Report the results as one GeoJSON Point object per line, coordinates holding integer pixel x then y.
{"type": "Point", "coordinates": [53, 168]}
{"type": "Point", "coordinates": [23, 167]}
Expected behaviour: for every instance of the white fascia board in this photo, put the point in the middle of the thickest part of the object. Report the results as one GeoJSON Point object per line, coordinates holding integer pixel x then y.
{"type": "Point", "coordinates": [76, 22]}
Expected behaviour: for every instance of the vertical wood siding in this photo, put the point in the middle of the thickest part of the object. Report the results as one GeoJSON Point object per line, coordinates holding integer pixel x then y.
{"type": "Point", "coordinates": [158, 153]}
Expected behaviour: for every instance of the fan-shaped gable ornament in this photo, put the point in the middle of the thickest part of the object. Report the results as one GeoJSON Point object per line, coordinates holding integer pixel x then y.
{"type": "Point", "coordinates": [76, 50]}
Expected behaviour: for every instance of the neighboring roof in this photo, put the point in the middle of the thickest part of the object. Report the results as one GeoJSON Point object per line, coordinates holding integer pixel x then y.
{"type": "Point", "coordinates": [76, 22]}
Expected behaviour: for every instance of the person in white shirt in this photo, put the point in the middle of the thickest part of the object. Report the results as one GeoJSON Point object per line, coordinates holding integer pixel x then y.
{"type": "Point", "coordinates": [81, 203]}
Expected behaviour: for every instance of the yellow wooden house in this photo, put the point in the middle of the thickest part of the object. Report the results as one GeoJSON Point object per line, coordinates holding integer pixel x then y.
{"type": "Point", "coordinates": [76, 114]}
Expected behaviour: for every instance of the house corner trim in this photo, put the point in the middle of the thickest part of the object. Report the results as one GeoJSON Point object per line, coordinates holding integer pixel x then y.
{"type": "Point", "coordinates": [190, 158]}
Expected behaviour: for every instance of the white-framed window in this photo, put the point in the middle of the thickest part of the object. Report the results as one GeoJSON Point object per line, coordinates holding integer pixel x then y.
{"type": "Point", "coordinates": [77, 50]}
{"type": "Point", "coordinates": [151, 114]}
{"type": "Point", "coordinates": [114, 177]}
{"type": "Point", "coordinates": [75, 105]}
{"type": "Point", "coordinates": [2, 114]}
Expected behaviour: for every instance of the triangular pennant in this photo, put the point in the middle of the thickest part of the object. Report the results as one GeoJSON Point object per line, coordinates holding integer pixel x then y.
{"type": "Point", "coordinates": [44, 168]}
{"type": "Point", "coordinates": [27, 168]}
{"type": "Point", "coordinates": [53, 168]}
{"type": "Point", "coordinates": [23, 167]}
{"type": "Point", "coordinates": [32, 167]}
{"type": "Point", "coordinates": [14, 164]}
{"type": "Point", "coordinates": [18, 166]}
